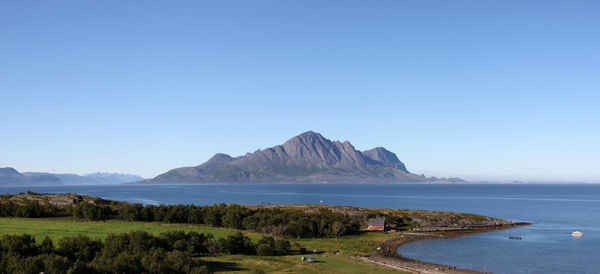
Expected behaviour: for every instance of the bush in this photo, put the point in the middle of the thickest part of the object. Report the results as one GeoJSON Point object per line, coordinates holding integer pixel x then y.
{"type": "Point", "coordinates": [267, 246]}
{"type": "Point", "coordinates": [92, 212]}
{"type": "Point", "coordinates": [19, 245]}
{"type": "Point", "coordinates": [79, 248]}
{"type": "Point", "coordinates": [134, 252]}
{"type": "Point", "coordinates": [237, 244]}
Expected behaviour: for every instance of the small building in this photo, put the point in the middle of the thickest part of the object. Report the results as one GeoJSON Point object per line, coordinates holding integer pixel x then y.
{"type": "Point", "coordinates": [377, 224]}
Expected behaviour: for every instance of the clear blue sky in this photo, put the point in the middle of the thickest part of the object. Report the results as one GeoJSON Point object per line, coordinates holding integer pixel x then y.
{"type": "Point", "coordinates": [476, 89]}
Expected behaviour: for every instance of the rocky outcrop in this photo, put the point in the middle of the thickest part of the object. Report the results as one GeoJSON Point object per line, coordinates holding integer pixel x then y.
{"type": "Point", "coordinates": [63, 199]}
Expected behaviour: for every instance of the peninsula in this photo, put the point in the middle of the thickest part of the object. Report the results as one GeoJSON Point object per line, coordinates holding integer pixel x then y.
{"type": "Point", "coordinates": [213, 238]}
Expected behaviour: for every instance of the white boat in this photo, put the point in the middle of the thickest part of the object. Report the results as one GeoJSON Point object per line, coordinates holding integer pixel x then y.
{"type": "Point", "coordinates": [577, 234]}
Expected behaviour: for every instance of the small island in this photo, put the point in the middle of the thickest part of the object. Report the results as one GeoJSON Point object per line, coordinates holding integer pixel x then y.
{"type": "Point", "coordinates": [306, 158]}
{"type": "Point", "coordinates": [117, 236]}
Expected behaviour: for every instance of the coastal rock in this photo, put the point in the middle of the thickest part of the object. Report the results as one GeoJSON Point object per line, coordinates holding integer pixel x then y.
{"type": "Point", "coordinates": [62, 199]}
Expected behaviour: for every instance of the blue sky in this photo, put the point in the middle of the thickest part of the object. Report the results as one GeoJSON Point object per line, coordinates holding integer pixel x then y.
{"type": "Point", "coordinates": [499, 90]}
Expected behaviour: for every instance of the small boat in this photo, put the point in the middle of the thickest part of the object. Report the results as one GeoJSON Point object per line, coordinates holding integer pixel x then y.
{"type": "Point", "coordinates": [577, 234]}
{"type": "Point", "coordinates": [514, 238]}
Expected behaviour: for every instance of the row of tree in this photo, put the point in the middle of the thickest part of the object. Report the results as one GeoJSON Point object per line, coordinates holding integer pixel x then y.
{"type": "Point", "coordinates": [29, 209]}
{"type": "Point", "coordinates": [275, 221]}
{"type": "Point", "coordinates": [134, 252]}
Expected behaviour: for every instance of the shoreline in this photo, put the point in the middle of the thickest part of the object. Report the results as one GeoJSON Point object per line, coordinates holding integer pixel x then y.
{"type": "Point", "coordinates": [388, 256]}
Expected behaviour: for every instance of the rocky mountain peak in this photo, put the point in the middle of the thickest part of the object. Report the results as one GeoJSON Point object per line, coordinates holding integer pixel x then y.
{"type": "Point", "coordinates": [217, 160]}
{"type": "Point", "coordinates": [385, 157]}
{"type": "Point", "coordinates": [220, 157]}
{"type": "Point", "coordinates": [308, 157]}
{"type": "Point", "coordinates": [308, 139]}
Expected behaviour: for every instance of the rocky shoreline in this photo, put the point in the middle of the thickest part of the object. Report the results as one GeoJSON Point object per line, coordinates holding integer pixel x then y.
{"type": "Point", "coordinates": [387, 254]}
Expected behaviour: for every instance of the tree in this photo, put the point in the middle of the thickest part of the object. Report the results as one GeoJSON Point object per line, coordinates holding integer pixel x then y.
{"type": "Point", "coordinates": [31, 209]}
{"type": "Point", "coordinates": [19, 245]}
{"type": "Point", "coordinates": [282, 247]}
{"type": "Point", "coordinates": [47, 246]}
{"type": "Point", "coordinates": [338, 229]}
{"type": "Point", "coordinates": [79, 248]}
{"type": "Point", "coordinates": [130, 212]}
{"type": "Point", "coordinates": [234, 217]}
{"type": "Point", "coordinates": [237, 244]}
{"type": "Point", "coordinates": [266, 247]}
{"type": "Point", "coordinates": [212, 216]}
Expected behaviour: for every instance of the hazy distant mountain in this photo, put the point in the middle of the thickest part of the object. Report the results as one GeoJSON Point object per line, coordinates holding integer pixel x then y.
{"type": "Point", "coordinates": [94, 178]}
{"type": "Point", "coordinates": [306, 158]}
{"type": "Point", "coordinates": [113, 177]}
{"type": "Point", "coordinates": [10, 176]}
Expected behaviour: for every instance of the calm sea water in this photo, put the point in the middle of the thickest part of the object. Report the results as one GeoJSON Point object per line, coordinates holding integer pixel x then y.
{"type": "Point", "coordinates": [546, 246]}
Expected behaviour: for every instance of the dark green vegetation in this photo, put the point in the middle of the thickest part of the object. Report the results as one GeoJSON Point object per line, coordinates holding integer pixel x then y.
{"type": "Point", "coordinates": [360, 244]}
{"type": "Point", "coordinates": [288, 223]}
{"type": "Point", "coordinates": [275, 221]}
{"type": "Point", "coordinates": [298, 221]}
{"type": "Point", "coordinates": [134, 252]}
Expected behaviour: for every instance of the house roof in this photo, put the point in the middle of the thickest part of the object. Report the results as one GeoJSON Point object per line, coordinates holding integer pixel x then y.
{"type": "Point", "coordinates": [376, 221]}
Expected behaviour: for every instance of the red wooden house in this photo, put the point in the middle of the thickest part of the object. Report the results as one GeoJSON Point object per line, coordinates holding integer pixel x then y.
{"type": "Point", "coordinates": [377, 224]}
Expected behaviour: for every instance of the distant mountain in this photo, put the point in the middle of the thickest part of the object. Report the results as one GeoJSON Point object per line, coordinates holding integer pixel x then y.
{"type": "Point", "coordinates": [10, 176]}
{"type": "Point", "coordinates": [306, 158]}
{"type": "Point", "coordinates": [113, 177]}
{"type": "Point", "coordinates": [94, 178]}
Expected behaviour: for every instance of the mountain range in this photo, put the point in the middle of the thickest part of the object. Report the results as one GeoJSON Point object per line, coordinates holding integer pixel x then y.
{"type": "Point", "coordinates": [306, 158]}
{"type": "Point", "coordinates": [10, 176]}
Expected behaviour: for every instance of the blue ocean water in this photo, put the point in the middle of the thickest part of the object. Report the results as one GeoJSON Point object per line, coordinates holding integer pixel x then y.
{"type": "Point", "coordinates": [546, 246]}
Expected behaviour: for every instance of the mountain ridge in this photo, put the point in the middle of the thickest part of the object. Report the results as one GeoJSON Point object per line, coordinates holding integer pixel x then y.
{"type": "Point", "coordinates": [10, 176]}
{"type": "Point", "coordinates": [306, 158]}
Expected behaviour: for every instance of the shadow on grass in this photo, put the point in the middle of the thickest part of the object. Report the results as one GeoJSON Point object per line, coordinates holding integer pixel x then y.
{"type": "Point", "coordinates": [224, 266]}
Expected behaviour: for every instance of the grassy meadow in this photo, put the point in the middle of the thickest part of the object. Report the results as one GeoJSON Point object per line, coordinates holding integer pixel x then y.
{"type": "Point", "coordinates": [56, 228]}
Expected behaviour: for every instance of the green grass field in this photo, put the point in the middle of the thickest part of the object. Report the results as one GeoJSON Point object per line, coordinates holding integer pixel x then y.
{"type": "Point", "coordinates": [57, 228]}
{"type": "Point", "coordinates": [292, 264]}
{"type": "Point", "coordinates": [361, 244]}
